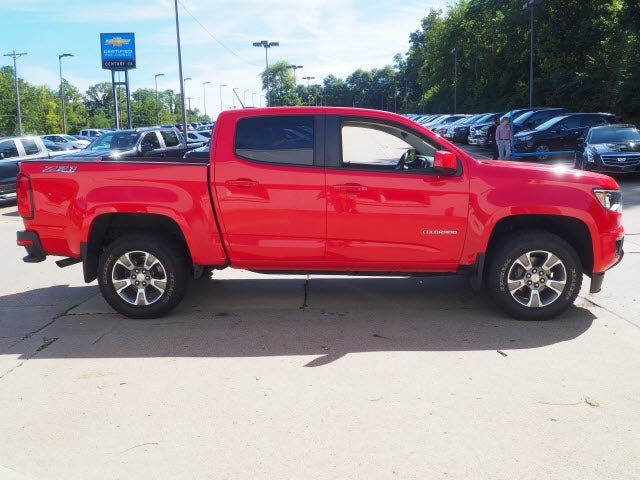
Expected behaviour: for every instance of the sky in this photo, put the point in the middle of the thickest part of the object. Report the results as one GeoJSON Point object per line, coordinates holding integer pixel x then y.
{"type": "Point", "coordinates": [324, 36]}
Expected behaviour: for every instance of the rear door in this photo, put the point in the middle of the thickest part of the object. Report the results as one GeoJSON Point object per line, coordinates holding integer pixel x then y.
{"type": "Point", "coordinates": [270, 190]}
{"type": "Point", "coordinates": [385, 215]}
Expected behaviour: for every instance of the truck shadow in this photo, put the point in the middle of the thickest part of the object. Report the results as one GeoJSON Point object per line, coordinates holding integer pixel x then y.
{"type": "Point", "coordinates": [321, 319]}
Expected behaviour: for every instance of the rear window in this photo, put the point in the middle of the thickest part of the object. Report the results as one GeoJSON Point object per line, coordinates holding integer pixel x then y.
{"type": "Point", "coordinates": [30, 146]}
{"type": "Point", "coordinates": [282, 139]}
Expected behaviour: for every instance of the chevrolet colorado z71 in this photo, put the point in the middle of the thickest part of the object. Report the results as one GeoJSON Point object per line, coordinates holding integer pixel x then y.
{"type": "Point", "coordinates": [323, 190]}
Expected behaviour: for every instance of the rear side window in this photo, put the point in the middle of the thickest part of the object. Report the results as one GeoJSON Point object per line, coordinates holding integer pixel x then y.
{"type": "Point", "coordinates": [8, 149]}
{"type": "Point", "coordinates": [170, 138]}
{"type": "Point", "coordinates": [30, 146]}
{"type": "Point", "coordinates": [282, 139]}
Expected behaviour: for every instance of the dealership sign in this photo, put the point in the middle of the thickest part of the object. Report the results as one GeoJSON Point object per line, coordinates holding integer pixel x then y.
{"type": "Point", "coordinates": [118, 51]}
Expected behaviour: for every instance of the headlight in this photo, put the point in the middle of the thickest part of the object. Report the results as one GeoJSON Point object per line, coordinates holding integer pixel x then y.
{"type": "Point", "coordinates": [526, 138]}
{"type": "Point", "coordinates": [609, 199]}
{"type": "Point", "coordinates": [590, 156]}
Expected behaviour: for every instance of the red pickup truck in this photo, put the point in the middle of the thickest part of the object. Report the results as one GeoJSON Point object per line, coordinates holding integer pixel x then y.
{"type": "Point", "coordinates": [323, 190]}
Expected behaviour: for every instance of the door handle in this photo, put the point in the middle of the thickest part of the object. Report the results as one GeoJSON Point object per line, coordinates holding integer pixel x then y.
{"type": "Point", "coordinates": [350, 187]}
{"type": "Point", "coordinates": [241, 182]}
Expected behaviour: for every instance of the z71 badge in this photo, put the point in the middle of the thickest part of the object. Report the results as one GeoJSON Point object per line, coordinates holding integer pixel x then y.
{"type": "Point", "coordinates": [59, 169]}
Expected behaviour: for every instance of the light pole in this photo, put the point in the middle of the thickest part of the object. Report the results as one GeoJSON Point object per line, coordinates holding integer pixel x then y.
{"type": "Point", "coordinates": [294, 68]}
{"type": "Point", "coordinates": [204, 96]}
{"type": "Point", "coordinates": [267, 45]}
{"type": "Point", "coordinates": [184, 111]}
{"type": "Point", "coordinates": [155, 78]}
{"type": "Point", "coordinates": [244, 97]}
{"type": "Point", "coordinates": [235, 95]}
{"type": "Point", "coordinates": [455, 78]}
{"type": "Point", "coordinates": [308, 92]}
{"type": "Point", "coordinates": [223, 85]}
{"type": "Point", "coordinates": [530, 4]}
{"type": "Point", "coordinates": [15, 75]}
{"type": "Point", "coordinates": [64, 118]}
{"type": "Point", "coordinates": [184, 93]}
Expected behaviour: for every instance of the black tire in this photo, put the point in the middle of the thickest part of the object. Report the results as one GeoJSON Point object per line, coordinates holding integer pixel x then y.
{"type": "Point", "coordinates": [534, 275]}
{"type": "Point", "coordinates": [543, 151]}
{"type": "Point", "coordinates": [142, 276]}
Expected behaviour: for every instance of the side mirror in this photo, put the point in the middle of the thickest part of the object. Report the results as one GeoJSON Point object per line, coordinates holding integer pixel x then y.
{"type": "Point", "coordinates": [445, 162]}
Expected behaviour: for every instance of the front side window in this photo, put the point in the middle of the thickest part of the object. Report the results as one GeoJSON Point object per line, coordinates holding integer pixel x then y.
{"type": "Point", "coordinates": [282, 139]}
{"type": "Point", "coordinates": [8, 149]}
{"type": "Point", "coordinates": [377, 146]}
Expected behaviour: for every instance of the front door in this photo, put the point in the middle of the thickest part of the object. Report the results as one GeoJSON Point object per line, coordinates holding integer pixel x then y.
{"type": "Point", "coordinates": [388, 214]}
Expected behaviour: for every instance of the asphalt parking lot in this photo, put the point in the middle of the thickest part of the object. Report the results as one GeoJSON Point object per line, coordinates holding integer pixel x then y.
{"type": "Point", "coordinates": [256, 377]}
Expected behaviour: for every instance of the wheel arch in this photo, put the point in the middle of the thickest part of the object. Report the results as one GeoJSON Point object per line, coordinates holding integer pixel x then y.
{"type": "Point", "coordinates": [572, 230]}
{"type": "Point", "coordinates": [108, 227]}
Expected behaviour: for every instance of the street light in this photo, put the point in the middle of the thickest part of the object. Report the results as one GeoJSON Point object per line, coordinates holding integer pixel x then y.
{"type": "Point", "coordinates": [308, 92]}
{"type": "Point", "coordinates": [64, 118]}
{"type": "Point", "coordinates": [204, 96]}
{"type": "Point", "coordinates": [223, 85]}
{"type": "Point", "coordinates": [155, 78]}
{"type": "Point", "coordinates": [455, 78]}
{"type": "Point", "coordinates": [184, 93]}
{"type": "Point", "coordinates": [294, 68]}
{"type": "Point", "coordinates": [15, 75]}
{"type": "Point", "coordinates": [530, 4]}
{"type": "Point", "coordinates": [267, 45]}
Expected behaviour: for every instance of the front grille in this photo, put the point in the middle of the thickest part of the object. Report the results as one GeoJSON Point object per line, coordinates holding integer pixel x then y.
{"type": "Point", "coordinates": [621, 160]}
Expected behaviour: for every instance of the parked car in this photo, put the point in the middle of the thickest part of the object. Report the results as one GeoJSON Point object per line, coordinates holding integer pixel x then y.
{"type": "Point", "coordinates": [93, 132]}
{"type": "Point", "coordinates": [478, 131]}
{"type": "Point", "coordinates": [459, 131]}
{"type": "Point", "coordinates": [199, 154]}
{"type": "Point", "coordinates": [12, 151]}
{"type": "Point", "coordinates": [560, 134]}
{"type": "Point", "coordinates": [63, 139]}
{"type": "Point", "coordinates": [449, 119]}
{"type": "Point", "coordinates": [531, 119]}
{"type": "Point", "coordinates": [56, 149]}
{"type": "Point", "coordinates": [610, 149]}
{"type": "Point", "coordinates": [196, 139]}
{"type": "Point", "coordinates": [138, 142]}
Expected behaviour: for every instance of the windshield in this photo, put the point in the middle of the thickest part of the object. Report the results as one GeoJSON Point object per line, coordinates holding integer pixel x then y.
{"type": "Point", "coordinates": [615, 135]}
{"type": "Point", "coordinates": [118, 141]}
{"type": "Point", "coordinates": [550, 123]}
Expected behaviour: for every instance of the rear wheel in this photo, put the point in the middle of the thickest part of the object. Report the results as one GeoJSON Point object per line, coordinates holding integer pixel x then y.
{"type": "Point", "coordinates": [141, 276]}
{"type": "Point", "coordinates": [534, 276]}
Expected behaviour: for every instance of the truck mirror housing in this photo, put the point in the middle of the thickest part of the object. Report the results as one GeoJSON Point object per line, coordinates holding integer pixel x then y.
{"type": "Point", "coordinates": [446, 161]}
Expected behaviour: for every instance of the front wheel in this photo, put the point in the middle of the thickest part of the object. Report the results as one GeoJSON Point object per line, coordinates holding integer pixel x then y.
{"type": "Point", "coordinates": [141, 276]}
{"type": "Point", "coordinates": [534, 276]}
{"type": "Point", "coordinates": [542, 151]}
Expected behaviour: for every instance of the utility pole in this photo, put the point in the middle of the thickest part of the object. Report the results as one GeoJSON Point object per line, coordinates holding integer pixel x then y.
{"type": "Point", "coordinates": [15, 73]}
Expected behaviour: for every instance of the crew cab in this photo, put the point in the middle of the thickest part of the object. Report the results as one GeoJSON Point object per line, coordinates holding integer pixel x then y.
{"type": "Point", "coordinates": [323, 190]}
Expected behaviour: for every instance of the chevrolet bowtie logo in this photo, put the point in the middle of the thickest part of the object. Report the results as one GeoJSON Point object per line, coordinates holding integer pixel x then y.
{"type": "Point", "coordinates": [118, 41]}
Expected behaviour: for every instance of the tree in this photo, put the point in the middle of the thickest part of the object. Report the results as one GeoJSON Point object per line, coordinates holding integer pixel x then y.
{"type": "Point", "coordinates": [282, 88]}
